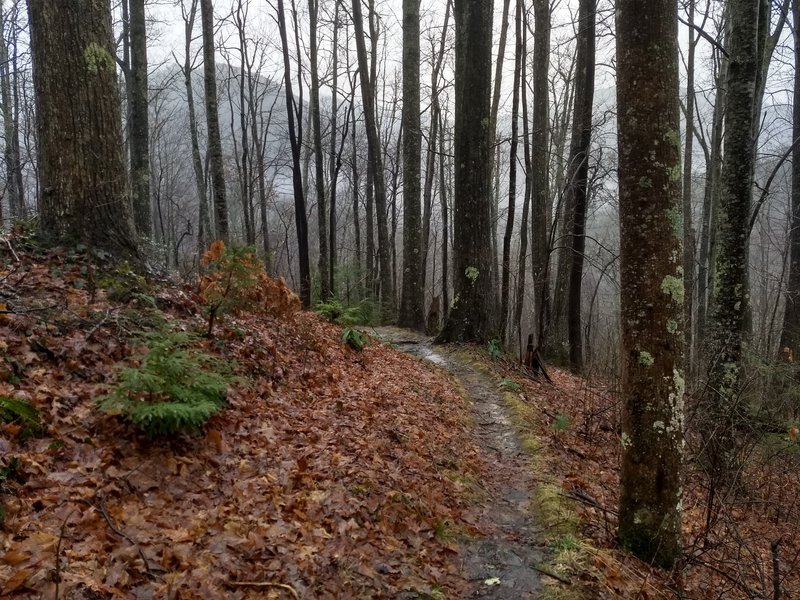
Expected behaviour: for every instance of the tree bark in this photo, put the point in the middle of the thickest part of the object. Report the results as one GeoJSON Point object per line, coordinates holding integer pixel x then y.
{"type": "Point", "coordinates": [11, 157]}
{"type": "Point", "coordinates": [540, 176]}
{"type": "Point", "coordinates": [212, 122]}
{"type": "Point", "coordinates": [413, 293]}
{"type": "Point", "coordinates": [578, 174]}
{"type": "Point", "coordinates": [471, 318]}
{"type": "Point", "coordinates": [651, 277]}
{"type": "Point", "coordinates": [376, 163]}
{"type": "Point", "coordinates": [80, 143]}
{"type": "Point", "coordinates": [294, 111]}
{"type": "Point", "coordinates": [790, 334]}
{"type": "Point", "coordinates": [139, 126]}
{"type": "Point", "coordinates": [730, 295]}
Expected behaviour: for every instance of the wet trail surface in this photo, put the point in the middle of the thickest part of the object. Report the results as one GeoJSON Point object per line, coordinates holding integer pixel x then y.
{"type": "Point", "coordinates": [500, 565]}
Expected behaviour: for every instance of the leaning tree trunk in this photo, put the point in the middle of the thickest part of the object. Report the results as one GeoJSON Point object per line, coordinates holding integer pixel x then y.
{"type": "Point", "coordinates": [79, 127]}
{"type": "Point", "coordinates": [471, 317]}
{"type": "Point", "coordinates": [651, 278]}
{"type": "Point", "coordinates": [212, 123]}
{"type": "Point", "coordinates": [10, 126]}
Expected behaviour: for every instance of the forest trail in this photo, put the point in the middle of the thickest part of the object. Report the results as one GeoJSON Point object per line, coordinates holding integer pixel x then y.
{"type": "Point", "coordinates": [500, 565]}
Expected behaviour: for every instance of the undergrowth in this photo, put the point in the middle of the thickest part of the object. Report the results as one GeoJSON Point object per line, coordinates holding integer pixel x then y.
{"type": "Point", "coordinates": [174, 388]}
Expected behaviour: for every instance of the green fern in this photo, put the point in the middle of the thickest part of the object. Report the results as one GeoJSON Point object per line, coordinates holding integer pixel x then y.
{"type": "Point", "coordinates": [354, 338]}
{"type": "Point", "coordinates": [336, 312]}
{"type": "Point", "coordinates": [174, 388]}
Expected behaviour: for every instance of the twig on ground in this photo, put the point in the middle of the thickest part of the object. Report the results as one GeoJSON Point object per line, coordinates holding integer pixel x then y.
{"type": "Point", "coordinates": [102, 506]}
{"type": "Point", "coordinates": [552, 574]}
{"type": "Point", "coordinates": [282, 586]}
{"type": "Point", "coordinates": [58, 554]}
{"type": "Point", "coordinates": [97, 326]}
{"type": "Point", "coordinates": [10, 247]}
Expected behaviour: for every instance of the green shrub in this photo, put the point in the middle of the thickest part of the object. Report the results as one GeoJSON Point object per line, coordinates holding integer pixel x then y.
{"type": "Point", "coordinates": [509, 385]}
{"type": "Point", "coordinates": [174, 388]}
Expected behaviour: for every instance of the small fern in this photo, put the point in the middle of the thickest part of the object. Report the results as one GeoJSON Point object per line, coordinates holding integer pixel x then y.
{"type": "Point", "coordinates": [495, 349]}
{"type": "Point", "coordinates": [509, 385]}
{"type": "Point", "coordinates": [15, 410]}
{"type": "Point", "coordinates": [354, 338]}
{"type": "Point", "coordinates": [174, 388]}
{"type": "Point", "coordinates": [338, 313]}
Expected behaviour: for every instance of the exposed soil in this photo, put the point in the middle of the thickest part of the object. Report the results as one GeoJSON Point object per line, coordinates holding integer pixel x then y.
{"type": "Point", "coordinates": [501, 564]}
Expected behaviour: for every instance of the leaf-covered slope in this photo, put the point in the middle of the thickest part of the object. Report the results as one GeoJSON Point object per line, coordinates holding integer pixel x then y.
{"type": "Point", "coordinates": [329, 472]}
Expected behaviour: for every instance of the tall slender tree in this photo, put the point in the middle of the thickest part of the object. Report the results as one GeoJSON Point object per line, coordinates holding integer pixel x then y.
{"type": "Point", "coordinates": [212, 122]}
{"type": "Point", "coordinates": [471, 317]}
{"type": "Point", "coordinates": [730, 300]}
{"type": "Point", "coordinates": [790, 334]}
{"type": "Point", "coordinates": [376, 164]}
{"type": "Point", "coordinates": [294, 111]}
{"type": "Point", "coordinates": [79, 126]}
{"type": "Point", "coordinates": [139, 126]}
{"type": "Point", "coordinates": [652, 278]}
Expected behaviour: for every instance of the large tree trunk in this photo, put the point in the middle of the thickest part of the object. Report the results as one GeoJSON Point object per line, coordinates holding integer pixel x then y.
{"type": "Point", "coordinates": [790, 334]}
{"type": "Point", "coordinates": [578, 175]}
{"type": "Point", "coordinates": [540, 177]}
{"type": "Point", "coordinates": [730, 296]}
{"type": "Point", "coordinates": [139, 126]}
{"type": "Point", "coordinates": [335, 154]}
{"type": "Point", "coordinates": [413, 295]}
{"type": "Point", "coordinates": [212, 122]}
{"type": "Point", "coordinates": [652, 279]}
{"type": "Point", "coordinates": [471, 317]}
{"type": "Point", "coordinates": [376, 163]}
{"type": "Point", "coordinates": [79, 126]}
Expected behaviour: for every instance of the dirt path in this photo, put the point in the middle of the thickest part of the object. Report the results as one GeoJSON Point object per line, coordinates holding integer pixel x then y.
{"type": "Point", "coordinates": [500, 565]}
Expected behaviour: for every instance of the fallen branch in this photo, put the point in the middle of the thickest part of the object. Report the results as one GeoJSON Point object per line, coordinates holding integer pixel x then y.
{"type": "Point", "coordinates": [266, 584]}
{"type": "Point", "coordinates": [10, 247]}
{"type": "Point", "coordinates": [552, 574]}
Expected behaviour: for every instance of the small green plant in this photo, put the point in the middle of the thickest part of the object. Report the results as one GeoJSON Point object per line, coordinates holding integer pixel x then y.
{"type": "Point", "coordinates": [336, 312]}
{"type": "Point", "coordinates": [561, 423]}
{"type": "Point", "coordinates": [174, 388]}
{"type": "Point", "coordinates": [12, 471]}
{"type": "Point", "coordinates": [565, 543]}
{"type": "Point", "coordinates": [495, 349]}
{"type": "Point", "coordinates": [13, 410]}
{"type": "Point", "coordinates": [509, 385]}
{"type": "Point", "coordinates": [354, 338]}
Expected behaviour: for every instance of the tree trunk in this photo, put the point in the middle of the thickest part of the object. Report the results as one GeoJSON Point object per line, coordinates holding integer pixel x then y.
{"type": "Point", "coordinates": [376, 163]}
{"type": "Point", "coordinates": [730, 296]}
{"type": "Point", "coordinates": [319, 158]}
{"type": "Point", "coordinates": [790, 334]}
{"type": "Point", "coordinates": [139, 126]}
{"type": "Point", "coordinates": [578, 174]}
{"type": "Point", "coordinates": [80, 144]}
{"type": "Point", "coordinates": [294, 111]}
{"type": "Point", "coordinates": [212, 122]}
{"type": "Point", "coordinates": [512, 174]}
{"type": "Point", "coordinates": [471, 317]}
{"type": "Point", "coordinates": [651, 277]}
{"type": "Point", "coordinates": [413, 294]}
{"type": "Point", "coordinates": [540, 177]}
{"type": "Point", "coordinates": [688, 232]}
{"type": "Point", "coordinates": [10, 127]}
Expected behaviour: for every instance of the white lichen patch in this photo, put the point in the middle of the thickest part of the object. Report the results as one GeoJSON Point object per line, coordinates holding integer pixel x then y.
{"type": "Point", "coordinates": [646, 359]}
{"type": "Point", "coordinates": [672, 286]}
{"type": "Point", "coordinates": [672, 327]}
{"type": "Point", "coordinates": [659, 426]}
{"type": "Point", "coordinates": [626, 440]}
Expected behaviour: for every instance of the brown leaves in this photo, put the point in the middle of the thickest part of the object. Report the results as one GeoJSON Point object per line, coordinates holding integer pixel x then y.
{"type": "Point", "coordinates": [322, 475]}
